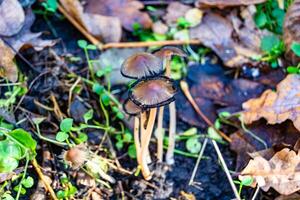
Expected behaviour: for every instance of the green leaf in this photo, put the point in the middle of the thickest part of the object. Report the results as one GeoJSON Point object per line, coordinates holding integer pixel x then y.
{"type": "Point", "coordinates": [260, 19]}
{"type": "Point", "coordinates": [190, 131]}
{"type": "Point", "coordinates": [91, 47]}
{"type": "Point", "coordinates": [11, 149]}
{"type": "Point", "coordinates": [269, 42]}
{"type": "Point", "coordinates": [296, 48]}
{"type": "Point", "coordinates": [98, 89]}
{"type": "Point", "coordinates": [72, 190]}
{"type": "Point", "coordinates": [217, 124]}
{"type": "Point", "coordinates": [131, 151]}
{"type": "Point", "coordinates": [105, 99]}
{"type": "Point", "coordinates": [16, 188]}
{"type": "Point", "coordinates": [119, 144]}
{"type": "Point", "coordinates": [28, 182]}
{"type": "Point", "coordinates": [213, 134]}
{"type": "Point", "coordinates": [127, 137]}
{"type": "Point", "coordinates": [8, 164]}
{"type": "Point", "coordinates": [66, 124]}
{"type": "Point", "coordinates": [193, 145]}
{"type": "Point", "coordinates": [61, 136]}
{"type": "Point", "coordinates": [82, 137]}
{"type": "Point", "coordinates": [224, 114]}
{"type": "Point", "coordinates": [247, 181]}
{"type": "Point", "coordinates": [7, 196]}
{"type": "Point", "coordinates": [61, 194]}
{"type": "Point", "coordinates": [52, 5]}
{"type": "Point", "coordinates": [24, 138]}
{"type": "Point", "coordinates": [292, 70]}
{"type": "Point", "coordinates": [120, 115]}
{"type": "Point", "coordinates": [82, 44]}
{"type": "Point", "coordinates": [88, 115]}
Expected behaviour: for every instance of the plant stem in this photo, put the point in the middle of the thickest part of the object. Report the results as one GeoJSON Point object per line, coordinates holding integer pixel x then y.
{"type": "Point", "coordinates": [145, 143]}
{"type": "Point", "coordinates": [172, 134]}
{"type": "Point", "coordinates": [237, 196]}
{"type": "Point", "coordinates": [24, 174]}
{"type": "Point", "coordinates": [198, 161]}
{"type": "Point", "coordinates": [256, 193]}
{"type": "Point", "coordinates": [160, 134]}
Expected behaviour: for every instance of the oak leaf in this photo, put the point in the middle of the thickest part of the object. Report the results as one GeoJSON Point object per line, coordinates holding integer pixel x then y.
{"type": "Point", "coordinates": [281, 172]}
{"type": "Point", "coordinates": [276, 107]}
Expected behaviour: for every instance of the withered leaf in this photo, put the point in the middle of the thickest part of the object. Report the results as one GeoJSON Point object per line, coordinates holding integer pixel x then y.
{"type": "Point", "coordinates": [22, 39]}
{"type": "Point", "coordinates": [225, 3]}
{"type": "Point", "coordinates": [292, 30]}
{"type": "Point", "coordinates": [281, 172]}
{"type": "Point", "coordinates": [276, 107]}
{"type": "Point", "coordinates": [127, 11]}
{"type": "Point", "coordinates": [175, 10]}
{"type": "Point", "coordinates": [9, 70]}
{"type": "Point", "coordinates": [12, 17]}
{"type": "Point", "coordinates": [106, 28]}
{"type": "Point", "coordinates": [216, 33]}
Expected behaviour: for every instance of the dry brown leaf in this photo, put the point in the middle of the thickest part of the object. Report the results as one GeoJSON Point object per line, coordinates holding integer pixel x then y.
{"type": "Point", "coordinates": [225, 3]}
{"type": "Point", "coordinates": [128, 12]}
{"type": "Point", "coordinates": [12, 17]}
{"type": "Point", "coordinates": [106, 28]}
{"type": "Point", "coordinates": [175, 10]}
{"type": "Point", "coordinates": [281, 172]}
{"type": "Point", "coordinates": [276, 107]}
{"type": "Point", "coordinates": [24, 38]}
{"type": "Point", "coordinates": [9, 69]}
{"type": "Point", "coordinates": [292, 30]}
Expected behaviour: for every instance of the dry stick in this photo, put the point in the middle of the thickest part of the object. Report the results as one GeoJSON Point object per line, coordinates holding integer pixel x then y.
{"type": "Point", "coordinates": [237, 196]}
{"type": "Point", "coordinates": [101, 46]}
{"type": "Point", "coordinates": [198, 161]}
{"type": "Point", "coordinates": [185, 88]}
{"type": "Point", "coordinates": [160, 134]}
{"type": "Point", "coordinates": [145, 143]}
{"type": "Point", "coordinates": [42, 177]}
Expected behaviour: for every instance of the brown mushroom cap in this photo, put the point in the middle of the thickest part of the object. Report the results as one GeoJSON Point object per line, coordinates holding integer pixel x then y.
{"type": "Point", "coordinates": [131, 108]}
{"type": "Point", "coordinates": [153, 92]}
{"type": "Point", "coordinates": [141, 65]}
{"type": "Point", "coordinates": [169, 51]}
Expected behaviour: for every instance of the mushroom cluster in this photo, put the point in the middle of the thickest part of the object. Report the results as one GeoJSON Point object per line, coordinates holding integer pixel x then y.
{"type": "Point", "coordinates": [152, 90]}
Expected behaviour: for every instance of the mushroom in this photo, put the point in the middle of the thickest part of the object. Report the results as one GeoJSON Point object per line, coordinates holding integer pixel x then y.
{"type": "Point", "coordinates": [149, 93]}
{"type": "Point", "coordinates": [141, 65]}
{"type": "Point", "coordinates": [166, 54]}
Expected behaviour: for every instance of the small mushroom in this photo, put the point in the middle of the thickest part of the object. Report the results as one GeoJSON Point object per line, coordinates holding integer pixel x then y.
{"type": "Point", "coordinates": [131, 108]}
{"type": "Point", "coordinates": [142, 65]}
{"type": "Point", "coordinates": [153, 92]}
{"type": "Point", "coordinates": [166, 54]}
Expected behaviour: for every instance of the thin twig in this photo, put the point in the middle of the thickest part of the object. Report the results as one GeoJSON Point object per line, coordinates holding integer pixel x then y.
{"type": "Point", "coordinates": [42, 177]}
{"type": "Point", "coordinates": [237, 196]}
{"type": "Point", "coordinates": [185, 89]}
{"type": "Point", "coordinates": [255, 193]}
{"type": "Point", "coordinates": [198, 161]}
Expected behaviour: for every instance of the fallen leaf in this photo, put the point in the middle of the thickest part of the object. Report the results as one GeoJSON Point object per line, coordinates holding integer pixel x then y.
{"type": "Point", "coordinates": [98, 25]}
{"type": "Point", "coordinates": [127, 11]}
{"type": "Point", "coordinates": [24, 38]}
{"type": "Point", "coordinates": [159, 27]}
{"type": "Point", "coordinates": [276, 107]}
{"type": "Point", "coordinates": [8, 67]}
{"type": "Point", "coordinates": [292, 30]}
{"type": "Point", "coordinates": [236, 40]}
{"type": "Point", "coordinates": [226, 3]}
{"type": "Point", "coordinates": [281, 172]}
{"type": "Point", "coordinates": [175, 10]}
{"type": "Point", "coordinates": [12, 17]}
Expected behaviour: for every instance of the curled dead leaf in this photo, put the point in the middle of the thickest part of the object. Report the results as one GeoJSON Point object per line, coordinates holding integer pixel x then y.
{"type": "Point", "coordinates": [98, 25]}
{"type": "Point", "coordinates": [12, 17]}
{"type": "Point", "coordinates": [127, 11]}
{"type": "Point", "coordinates": [281, 172]}
{"type": "Point", "coordinates": [8, 67]}
{"type": "Point", "coordinates": [276, 107]}
{"type": "Point", "coordinates": [226, 3]}
{"type": "Point", "coordinates": [292, 30]}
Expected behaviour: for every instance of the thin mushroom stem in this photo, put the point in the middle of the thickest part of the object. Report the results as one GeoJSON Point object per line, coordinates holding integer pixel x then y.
{"type": "Point", "coordinates": [145, 143]}
{"type": "Point", "coordinates": [137, 137]}
{"type": "Point", "coordinates": [172, 133]}
{"type": "Point", "coordinates": [185, 88]}
{"type": "Point", "coordinates": [143, 129]}
{"type": "Point", "coordinates": [160, 134]}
